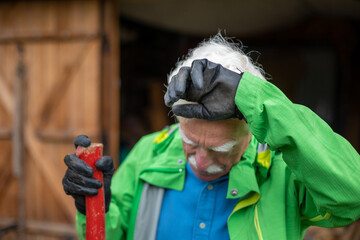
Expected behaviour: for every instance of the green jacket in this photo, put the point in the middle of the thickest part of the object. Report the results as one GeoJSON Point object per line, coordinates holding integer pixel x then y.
{"type": "Point", "coordinates": [295, 173]}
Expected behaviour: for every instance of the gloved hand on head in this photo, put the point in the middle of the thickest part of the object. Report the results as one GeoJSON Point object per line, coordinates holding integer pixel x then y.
{"type": "Point", "coordinates": [78, 181]}
{"type": "Point", "coordinates": [210, 86]}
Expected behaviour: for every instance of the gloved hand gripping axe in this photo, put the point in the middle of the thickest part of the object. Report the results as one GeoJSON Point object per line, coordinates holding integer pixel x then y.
{"type": "Point", "coordinates": [95, 205]}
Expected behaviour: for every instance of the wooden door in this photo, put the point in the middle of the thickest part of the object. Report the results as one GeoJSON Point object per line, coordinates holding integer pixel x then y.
{"type": "Point", "coordinates": [56, 81]}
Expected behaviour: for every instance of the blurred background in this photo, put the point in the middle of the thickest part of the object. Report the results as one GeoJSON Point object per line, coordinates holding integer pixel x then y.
{"type": "Point", "coordinates": [99, 68]}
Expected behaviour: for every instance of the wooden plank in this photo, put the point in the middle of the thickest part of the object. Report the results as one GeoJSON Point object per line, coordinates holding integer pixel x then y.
{"type": "Point", "coordinates": [10, 223]}
{"type": "Point", "coordinates": [5, 178]}
{"type": "Point", "coordinates": [5, 174]}
{"type": "Point", "coordinates": [110, 107]}
{"type": "Point", "coordinates": [66, 37]}
{"type": "Point", "coordinates": [18, 143]}
{"type": "Point", "coordinates": [9, 194]}
{"type": "Point", "coordinates": [49, 228]}
{"type": "Point", "coordinates": [5, 133]}
{"type": "Point", "coordinates": [48, 170]}
{"type": "Point", "coordinates": [60, 87]}
{"type": "Point", "coordinates": [61, 135]}
{"type": "Point", "coordinates": [18, 116]}
{"type": "Point", "coordinates": [42, 227]}
{"type": "Point", "coordinates": [7, 74]}
{"type": "Point", "coordinates": [48, 18]}
{"type": "Point", "coordinates": [11, 227]}
{"type": "Point", "coordinates": [82, 106]}
{"type": "Point", "coordinates": [6, 97]}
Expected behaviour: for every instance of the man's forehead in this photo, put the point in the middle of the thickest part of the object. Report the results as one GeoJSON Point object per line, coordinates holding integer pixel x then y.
{"type": "Point", "coordinates": [228, 129]}
{"type": "Point", "coordinates": [208, 134]}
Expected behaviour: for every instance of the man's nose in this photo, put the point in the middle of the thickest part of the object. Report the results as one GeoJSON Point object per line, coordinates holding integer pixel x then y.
{"type": "Point", "coordinates": [203, 159]}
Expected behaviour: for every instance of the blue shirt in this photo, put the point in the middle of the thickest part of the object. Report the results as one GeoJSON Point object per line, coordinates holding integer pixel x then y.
{"type": "Point", "coordinates": [200, 211]}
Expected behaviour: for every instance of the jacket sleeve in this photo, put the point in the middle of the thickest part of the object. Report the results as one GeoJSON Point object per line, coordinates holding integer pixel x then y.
{"type": "Point", "coordinates": [325, 167]}
{"type": "Point", "coordinates": [123, 187]}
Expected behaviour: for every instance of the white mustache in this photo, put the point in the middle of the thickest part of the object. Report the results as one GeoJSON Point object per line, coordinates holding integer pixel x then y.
{"type": "Point", "coordinates": [212, 169]}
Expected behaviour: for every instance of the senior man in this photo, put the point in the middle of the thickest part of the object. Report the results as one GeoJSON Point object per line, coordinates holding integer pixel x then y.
{"type": "Point", "coordinates": [243, 162]}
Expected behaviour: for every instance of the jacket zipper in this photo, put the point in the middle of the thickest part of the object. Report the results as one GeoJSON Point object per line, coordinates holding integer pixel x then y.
{"type": "Point", "coordinates": [257, 224]}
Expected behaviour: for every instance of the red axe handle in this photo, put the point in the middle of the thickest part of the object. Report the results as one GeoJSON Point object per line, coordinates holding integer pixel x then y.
{"type": "Point", "coordinates": [95, 205]}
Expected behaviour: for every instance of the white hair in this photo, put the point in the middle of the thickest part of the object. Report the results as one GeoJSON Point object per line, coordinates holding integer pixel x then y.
{"type": "Point", "coordinates": [222, 51]}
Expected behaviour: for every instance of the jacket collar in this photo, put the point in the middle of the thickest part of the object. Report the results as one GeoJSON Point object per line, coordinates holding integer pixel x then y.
{"type": "Point", "coordinates": [242, 176]}
{"type": "Point", "coordinates": [167, 168]}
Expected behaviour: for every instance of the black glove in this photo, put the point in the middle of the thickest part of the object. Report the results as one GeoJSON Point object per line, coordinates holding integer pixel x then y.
{"type": "Point", "coordinates": [211, 85]}
{"type": "Point", "coordinates": [78, 181]}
